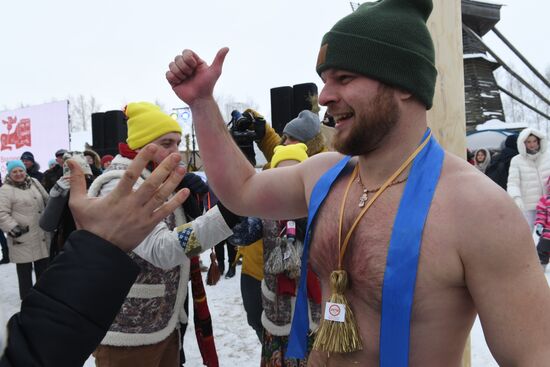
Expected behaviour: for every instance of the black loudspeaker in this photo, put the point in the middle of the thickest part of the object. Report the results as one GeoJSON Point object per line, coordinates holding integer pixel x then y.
{"type": "Point", "coordinates": [98, 128]}
{"type": "Point", "coordinates": [303, 94]}
{"type": "Point", "coordinates": [115, 129]}
{"type": "Point", "coordinates": [281, 107]}
{"type": "Point", "coordinates": [108, 129]}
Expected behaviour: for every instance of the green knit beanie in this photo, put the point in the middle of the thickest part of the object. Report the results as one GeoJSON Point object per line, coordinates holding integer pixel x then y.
{"type": "Point", "coordinates": [387, 41]}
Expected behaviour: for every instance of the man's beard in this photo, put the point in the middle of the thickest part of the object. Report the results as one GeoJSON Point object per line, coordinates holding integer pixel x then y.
{"type": "Point", "coordinates": [370, 127]}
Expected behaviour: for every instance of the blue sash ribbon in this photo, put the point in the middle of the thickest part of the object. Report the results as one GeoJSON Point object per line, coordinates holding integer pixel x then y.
{"type": "Point", "coordinates": [402, 259]}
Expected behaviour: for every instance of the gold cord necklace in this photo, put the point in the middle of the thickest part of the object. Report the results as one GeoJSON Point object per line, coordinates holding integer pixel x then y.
{"type": "Point", "coordinates": [340, 334]}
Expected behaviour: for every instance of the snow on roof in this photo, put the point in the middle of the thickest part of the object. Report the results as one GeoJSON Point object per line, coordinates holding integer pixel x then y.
{"type": "Point", "coordinates": [495, 124]}
{"type": "Point", "coordinates": [478, 56]}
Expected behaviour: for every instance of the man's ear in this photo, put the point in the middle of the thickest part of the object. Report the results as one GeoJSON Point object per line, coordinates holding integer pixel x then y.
{"type": "Point", "coordinates": [402, 94]}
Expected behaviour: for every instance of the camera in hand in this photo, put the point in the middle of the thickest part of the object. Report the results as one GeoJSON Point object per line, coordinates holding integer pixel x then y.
{"type": "Point", "coordinates": [241, 128]}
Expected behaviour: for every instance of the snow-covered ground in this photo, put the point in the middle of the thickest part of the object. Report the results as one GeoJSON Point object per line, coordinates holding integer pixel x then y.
{"type": "Point", "coordinates": [236, 342]}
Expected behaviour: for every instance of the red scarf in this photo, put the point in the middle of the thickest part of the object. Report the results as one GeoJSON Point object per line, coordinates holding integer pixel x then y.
{"type": "Point", "coordinates": [125, 151]}
{"type": "Point", "coordinates": [129, 153]}
{"type": "Point", "coordinates": [201, 317]}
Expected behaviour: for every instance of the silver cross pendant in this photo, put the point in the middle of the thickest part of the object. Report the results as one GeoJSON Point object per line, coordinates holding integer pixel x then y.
{"type": "Point", "coordinates": [363, 199]}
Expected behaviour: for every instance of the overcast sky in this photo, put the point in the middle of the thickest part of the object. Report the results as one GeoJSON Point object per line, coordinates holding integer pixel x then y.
{"type": "Point", "coordinates": [118, 51]}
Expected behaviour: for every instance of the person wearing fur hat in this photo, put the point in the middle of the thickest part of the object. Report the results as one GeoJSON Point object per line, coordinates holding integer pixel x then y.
{"type": "Point", "coordinates": [401, 286]}
{"type": "Point", "coordinates": [33, 168]}
{"type": "Point", "coordinates": [22, 200]}
{"type": "Point", "coordinates": [145, 332]}
{"type": "Point", "coordinates": [529, 171]}
{"type": "Point", "coordinates": [94, 161]}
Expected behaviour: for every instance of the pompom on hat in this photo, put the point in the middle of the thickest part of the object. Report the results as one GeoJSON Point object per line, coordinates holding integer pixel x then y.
{"type": "Point", "coordinates": [14, 164]}
{"type": "Point", "coordinates": [388, 41]}
{"type": "Point", "coordinates": [292, 152]}
{"type": "Point", "coordinates": [146, 122]}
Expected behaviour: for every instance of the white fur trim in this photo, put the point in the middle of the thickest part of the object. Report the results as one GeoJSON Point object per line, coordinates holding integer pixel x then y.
{"type": "Point", "coordinates": [146, 291]}
{"type": "Point", "coordinates": [109, 175]}
{"type": "Point", "coordinates": [277, 330]}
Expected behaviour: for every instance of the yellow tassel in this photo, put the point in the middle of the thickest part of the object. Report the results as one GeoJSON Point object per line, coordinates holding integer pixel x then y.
{"type": "Point", "coordinates": [334, 336]}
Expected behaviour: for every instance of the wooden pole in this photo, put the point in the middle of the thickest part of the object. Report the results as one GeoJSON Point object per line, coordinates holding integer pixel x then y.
{"type": "Point", "coordinates": [447, 118]}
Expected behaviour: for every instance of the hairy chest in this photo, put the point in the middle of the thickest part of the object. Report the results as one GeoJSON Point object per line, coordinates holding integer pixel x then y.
{"type": "Point", "coordinates": [366, 253]}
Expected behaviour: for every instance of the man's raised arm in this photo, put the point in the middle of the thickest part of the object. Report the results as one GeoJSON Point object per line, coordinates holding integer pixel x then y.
{"type": "Point", "coordinates": [229, 173]}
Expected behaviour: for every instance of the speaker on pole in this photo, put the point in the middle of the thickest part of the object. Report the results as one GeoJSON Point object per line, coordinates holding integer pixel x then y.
{"type": "Point", "coordinates": [281, 107]}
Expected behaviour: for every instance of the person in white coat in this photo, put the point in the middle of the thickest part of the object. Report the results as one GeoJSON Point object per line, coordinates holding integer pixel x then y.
{"type": "Point", "coordinates": [22, 200]}
{"type": "Point", "coordinates": [529, 171]}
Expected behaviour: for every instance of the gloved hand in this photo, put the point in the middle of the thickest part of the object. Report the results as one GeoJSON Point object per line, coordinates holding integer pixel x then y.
{"type": "Point", "coordinates": [18, 231]}
{"type": "Point", "coordinates": [194, 183]}
{"type": "Point", "coordinates": [192, 207]}
{"type": "Point", "coordinates": [538, 229]}
{"type": "Point", "coordinates": [519, 203]}
{"type": "Point", "coordinates": [244, 122]}
{"type": "Point", "coordinates": [258, 123]}
{"type": "Point", "coordinates": [61, 187]}
{"type": "Point", "coordinates": [248, 231]}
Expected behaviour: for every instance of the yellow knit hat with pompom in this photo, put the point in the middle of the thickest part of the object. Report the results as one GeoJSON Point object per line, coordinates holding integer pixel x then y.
{"type": "Point", "coordinates": [292, 152]}
{"type": "Point", "coordinates": [146, 122]}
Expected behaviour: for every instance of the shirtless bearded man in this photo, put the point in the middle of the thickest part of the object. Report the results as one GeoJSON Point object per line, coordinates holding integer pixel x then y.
{"type": "Point", "coordinates": [377, 65]}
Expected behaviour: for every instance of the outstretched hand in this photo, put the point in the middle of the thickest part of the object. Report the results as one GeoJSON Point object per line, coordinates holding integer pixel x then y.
{"type": "Point", "coordinates": [191, 78]}
{"type": "Point", "coordinates": [125, 217]}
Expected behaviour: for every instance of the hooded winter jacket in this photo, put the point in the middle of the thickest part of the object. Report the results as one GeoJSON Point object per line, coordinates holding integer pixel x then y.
{"type": "Point", "coordinates": [483, 165]}
{"type": "Point", "coordinates": [528, 172]}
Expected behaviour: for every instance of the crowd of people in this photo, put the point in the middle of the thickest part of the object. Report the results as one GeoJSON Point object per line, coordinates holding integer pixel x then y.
{"type": "Point", "coordinates": [36, 226]}
{"type": "Point", "coordinates": [522, 168]}
{"type": "Point", "coordinates": [369, 255]}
